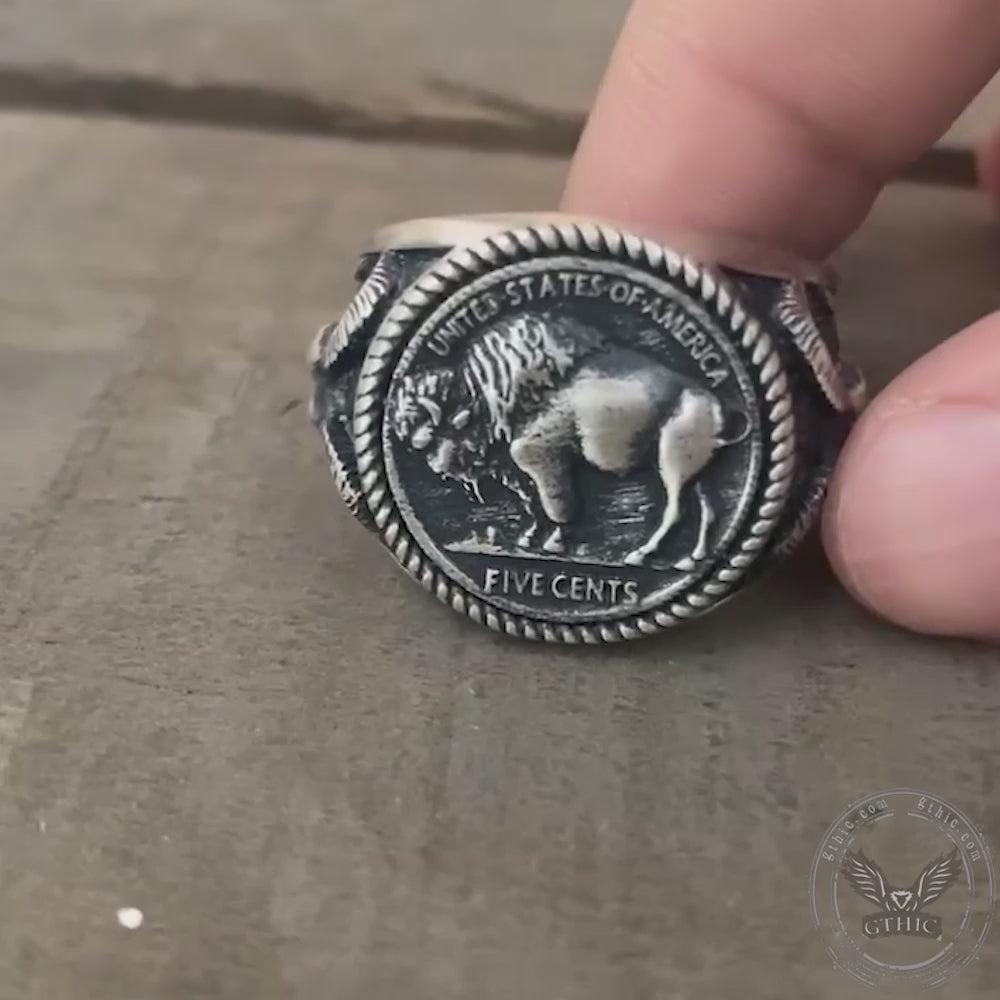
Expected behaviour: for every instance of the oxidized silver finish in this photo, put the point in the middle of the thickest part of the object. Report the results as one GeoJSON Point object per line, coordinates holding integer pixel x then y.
{"type": "Point", "coordinates": [572, 433]}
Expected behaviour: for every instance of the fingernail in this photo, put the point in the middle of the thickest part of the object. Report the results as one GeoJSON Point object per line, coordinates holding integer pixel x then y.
{"type": "Point", "coordinates": [913, 521]}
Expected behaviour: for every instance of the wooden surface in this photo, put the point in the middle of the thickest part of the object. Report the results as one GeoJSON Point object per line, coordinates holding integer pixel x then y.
{"type": "Point", "coordinates": [222, 704]}
{"type": "Point", "coordinates": [390, 54]}
{"type": "Point", "coordinates": [376, 52]}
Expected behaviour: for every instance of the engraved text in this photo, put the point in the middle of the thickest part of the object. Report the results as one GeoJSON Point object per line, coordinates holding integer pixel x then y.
{"type": "Point", "coordinates": [579, 588]}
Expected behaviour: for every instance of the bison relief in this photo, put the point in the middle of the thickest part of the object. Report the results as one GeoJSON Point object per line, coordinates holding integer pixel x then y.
{"type": "Point", "coordinates": [529, 398]}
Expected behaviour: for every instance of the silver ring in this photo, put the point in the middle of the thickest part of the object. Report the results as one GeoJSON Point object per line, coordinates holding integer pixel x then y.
{"type": "Point", "coordinates": [572, 433]}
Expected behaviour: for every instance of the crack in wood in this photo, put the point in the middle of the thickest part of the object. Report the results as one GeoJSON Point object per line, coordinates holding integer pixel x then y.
{"type": "Point", "coordinates": [504, 124]}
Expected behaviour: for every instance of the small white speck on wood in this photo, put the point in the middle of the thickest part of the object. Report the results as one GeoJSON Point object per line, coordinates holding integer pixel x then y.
{"type": "Point", "coordinates": [130, 918]}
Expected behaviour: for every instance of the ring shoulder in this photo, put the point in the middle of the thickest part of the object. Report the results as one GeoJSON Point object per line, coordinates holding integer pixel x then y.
{"type": "Point", "coordinates": [830, 392]}
{"type": "Point", "coordinates": [336, 356]}
{"type": "Point", "coordinates": [804, 313]}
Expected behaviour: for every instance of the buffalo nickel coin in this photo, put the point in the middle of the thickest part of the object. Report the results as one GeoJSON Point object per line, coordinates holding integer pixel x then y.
{"type": "Point", "coordinates": [570, 433]}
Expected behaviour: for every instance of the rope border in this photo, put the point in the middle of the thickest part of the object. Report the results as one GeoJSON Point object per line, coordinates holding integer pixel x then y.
{"type": "Point", "coordinates": [466, 263]}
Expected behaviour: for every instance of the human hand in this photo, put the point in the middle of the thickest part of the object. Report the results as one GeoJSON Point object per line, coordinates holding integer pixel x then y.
{"type": "Point", "coordinates": [763, 130]}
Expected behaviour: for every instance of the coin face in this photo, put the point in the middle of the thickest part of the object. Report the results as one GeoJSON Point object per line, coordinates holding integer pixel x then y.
{"type": "Point", "coordinates": [572, 434]}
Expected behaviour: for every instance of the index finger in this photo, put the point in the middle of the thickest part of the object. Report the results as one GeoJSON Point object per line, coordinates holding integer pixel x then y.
{"type": "Point", "coordinates": [766, 128]}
